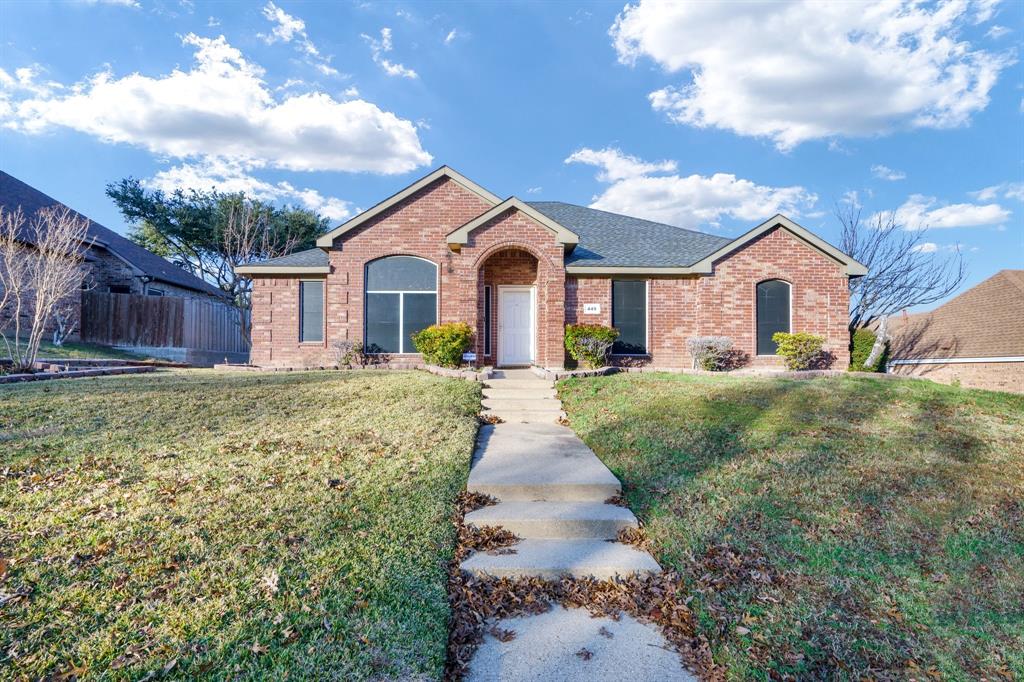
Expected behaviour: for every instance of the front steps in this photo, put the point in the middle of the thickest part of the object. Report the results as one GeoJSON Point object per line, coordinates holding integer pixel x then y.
{"type": "Point", "coordinates": [552, 491]}
{"type": "Point", "coordinates": [551, 559]}
{"type": "Point", "coordinates": [520, 396]}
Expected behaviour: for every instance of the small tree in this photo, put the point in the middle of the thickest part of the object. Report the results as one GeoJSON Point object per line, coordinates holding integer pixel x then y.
{"type": "Point", "coordinates": [40, 271]}
{"type": "Point", "coordinates": [901, 272]}
{"type": "Point", "coordinates": [711, 353]}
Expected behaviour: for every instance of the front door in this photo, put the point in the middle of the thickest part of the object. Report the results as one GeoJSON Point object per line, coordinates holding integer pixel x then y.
{"type": "Point", "coordinates": [515, 325]}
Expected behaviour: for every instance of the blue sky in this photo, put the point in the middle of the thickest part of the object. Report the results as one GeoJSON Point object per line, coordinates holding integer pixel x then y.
{"type": "Point", "coordinates": [712, 116]}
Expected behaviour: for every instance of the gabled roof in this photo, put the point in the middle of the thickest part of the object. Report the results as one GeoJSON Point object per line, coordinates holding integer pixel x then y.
{"type": "Point", "coordinates": [983, 322]}
{"type": "Point", "coordinates": [15, 193]}
{"type": "Point", "coordinates": [309, 262]}
{"type": "Point", "coordinates": [327, 240]}
{"type": "Point", "coordinates": [611, 240]}
{"type": "Point", "coordinates": [562, 234]}
{"type": "Point", "coordinates": [851, 267]}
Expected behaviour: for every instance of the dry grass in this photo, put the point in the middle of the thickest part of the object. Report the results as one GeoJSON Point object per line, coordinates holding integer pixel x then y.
{"type": "Point", "coordinates": [830, 528]}
{"type": "Point", "coordinates": [202, 524]}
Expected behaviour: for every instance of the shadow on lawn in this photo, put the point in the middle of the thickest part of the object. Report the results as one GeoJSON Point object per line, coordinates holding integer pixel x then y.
{"type": "Point", "coordinates": [817, 515]}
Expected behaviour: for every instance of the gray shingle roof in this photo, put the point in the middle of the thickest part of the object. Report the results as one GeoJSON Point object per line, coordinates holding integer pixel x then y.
{"type": "Point", "coordinates": [606, 239]}
{"type": "Point", "coordinates": [14, 193]}
{"type": "Point", "coordinates": [314, 258]}
{"type": "Point", "coordinates": [613, 240]}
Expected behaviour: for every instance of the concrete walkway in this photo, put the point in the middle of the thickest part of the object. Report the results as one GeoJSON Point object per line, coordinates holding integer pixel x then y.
{"type": "Point", "coordinates": [552, 491]}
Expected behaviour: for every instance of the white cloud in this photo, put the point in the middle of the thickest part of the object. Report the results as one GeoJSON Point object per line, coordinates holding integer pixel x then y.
{"type": "Point", "coordinates": [222, 108]}
{"type": "Point", "coordinates": [1006, 190]}
{"type": "Point", "coordinates": [805, 70]}
{"type": "Point", "coordinates": [534, 190]}
{"type": "Point", "coordinates": [616, 166]}
{"type": "Point", "coordinates": [452, 35]}
{"type": "Point", "coordinates": [123, 3]}
{"type": "Point", "coordinates": [886, 173]}
{"type": "Point", "coordinates": [235, 177]}
{"type": "Point", "coordinates": [997, 32]}
{"type": "Point", "coordinates": [685, 200]}
{"type": "Point", "coordinates": [378, 48]}
{"type": "Point", "coordinates": [925, 247]}
{"type": "Point", "coordinates": [213, 22]}
{"type": "Point", "coordinates": [922, 212]}
{"type": "Point", "coordinates": [287, 29]}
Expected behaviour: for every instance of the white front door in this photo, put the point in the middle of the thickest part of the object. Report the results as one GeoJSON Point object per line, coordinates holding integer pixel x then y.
{"type": "Point", "coordinates": [515, 325]}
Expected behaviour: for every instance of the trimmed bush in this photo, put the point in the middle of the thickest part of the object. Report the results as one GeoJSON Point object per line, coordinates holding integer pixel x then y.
{"type": "Point", "coordinates": [801, 350]}
{"type": "Point", "coordinates": [863, 342]}
{"type": "Point", "coordinates": [444, 344]}
{"type": "Point", "coordinates": [711, 353]}
{"type": "Point", "coordinates": [590, 343]}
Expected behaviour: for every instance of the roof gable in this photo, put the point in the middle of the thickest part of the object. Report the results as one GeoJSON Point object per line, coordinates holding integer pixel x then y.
{"type": "Point", "coordinates": [562, 234]}
{"type": "Point", "coordinates": [327, 240]}
{"type": "Point", "coordinates": [851, 267]}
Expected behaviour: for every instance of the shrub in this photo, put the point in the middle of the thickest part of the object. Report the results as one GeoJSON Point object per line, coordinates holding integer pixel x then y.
{"type": "Point", "coordinates": [863, 342]}
{"type": "Point", "coordinates": [712, 353]}
{"type": "Point", "coordinates": [801, 350]}
{"type": "Point", "coordinates": [348, 353]}
{"type": "Point", "coordinates": [444, 344]}
{"type": "Point", "coordinates": [590, 343]}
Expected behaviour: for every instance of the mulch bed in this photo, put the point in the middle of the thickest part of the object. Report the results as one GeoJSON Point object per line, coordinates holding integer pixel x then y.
{"type": "Point", "coordinates": [476, 603]}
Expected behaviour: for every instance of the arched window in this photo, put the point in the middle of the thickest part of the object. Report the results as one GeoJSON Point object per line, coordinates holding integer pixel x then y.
{"type": "Point", "coordinates": [772, 313]}
{"type": "Point", "coordinates": [401, 299]}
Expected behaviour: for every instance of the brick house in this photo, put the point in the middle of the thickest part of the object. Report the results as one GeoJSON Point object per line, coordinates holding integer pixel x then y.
{"type": "Point", "coordinates": [445, 249]}
{"type": "Point", "coordinates": [975, 339]}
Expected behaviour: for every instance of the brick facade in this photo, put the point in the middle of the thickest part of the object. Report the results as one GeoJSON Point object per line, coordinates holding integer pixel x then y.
{"type": "Point", "coordinates": [514, 249]}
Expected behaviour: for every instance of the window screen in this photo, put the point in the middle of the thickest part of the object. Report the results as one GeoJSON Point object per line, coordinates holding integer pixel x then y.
{"type": "Point", "coordinates": [772, 313]}
{"type": "Point", "coordinates": [401, 299]}
{"type": "Point", "coordinates": [629, 316]}
{"type": "Point", "coordinates": [311, 311]}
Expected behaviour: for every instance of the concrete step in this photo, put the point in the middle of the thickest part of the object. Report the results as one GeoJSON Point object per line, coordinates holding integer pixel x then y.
{"type": "Point", "coordinates": [517, 383]}
{"type": "Point", "coordinates": [542, 461]}
{"type": "Point", "coordinates": [576, 520]}
{"type": "Point", "coordinates": [551, 559]}
{"type": "Point", "coordinates": [525, 417]}
{"type": "Point", "coordinates": [520, 393]}
{"type": "Point", "coordinates": [522, 404]}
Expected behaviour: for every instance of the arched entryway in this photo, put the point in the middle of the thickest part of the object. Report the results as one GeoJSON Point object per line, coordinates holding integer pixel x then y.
{"type": "Point", "coordinates": [507, 311]}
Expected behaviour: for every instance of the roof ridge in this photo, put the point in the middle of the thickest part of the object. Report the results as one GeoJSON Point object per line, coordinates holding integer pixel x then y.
{"type": "Point", "coordinates": [632, 217]}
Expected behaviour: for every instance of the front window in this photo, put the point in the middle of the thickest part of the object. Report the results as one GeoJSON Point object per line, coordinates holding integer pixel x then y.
{"type": "Point", "coordinates": [401, 299]}
{"type": "Point", "coordinates": [311, 311]}
{"type": "Point", "coordinates": [629, 316]}
{"type": "Point", "coordinates": [772, 313]}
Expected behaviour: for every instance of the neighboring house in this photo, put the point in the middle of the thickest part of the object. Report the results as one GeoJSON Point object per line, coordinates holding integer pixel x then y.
{"type": "Point", "coordinates": [446, 250]}
{"type": "Point", "coordinates": [112, 263]}
{"type": "Point", "coordinates": [117, 265]}
{"type": "Point", "coordinates": [976, 339]}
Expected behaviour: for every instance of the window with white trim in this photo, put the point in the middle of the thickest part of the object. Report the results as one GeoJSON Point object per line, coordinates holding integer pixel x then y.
{"type": "Point", "coordinates": [401, 299]}
{"type": "Point", "coordinates": [311, 311]}
{"type": "Point", "coordinates": [772, 313]}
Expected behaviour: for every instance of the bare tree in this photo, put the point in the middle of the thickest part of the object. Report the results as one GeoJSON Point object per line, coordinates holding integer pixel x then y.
{"type": "Point", "coordinates": [248, 238]}
{"type": "Point", "coordinates": [902, 271]}
{"type": "Point", "coordinates": [40, 270]}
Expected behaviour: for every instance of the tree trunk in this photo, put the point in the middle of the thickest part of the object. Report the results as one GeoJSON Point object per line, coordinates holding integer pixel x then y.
{"type": "Point", "coordinates": [879, 346]}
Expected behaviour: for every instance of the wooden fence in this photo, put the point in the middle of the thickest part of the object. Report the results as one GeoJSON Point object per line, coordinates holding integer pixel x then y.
{"type": "Point", "coordinates": [161, 321]}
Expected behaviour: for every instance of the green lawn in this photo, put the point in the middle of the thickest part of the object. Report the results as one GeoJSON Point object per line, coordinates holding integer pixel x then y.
{"type": "Point", "coordinates": [222, 525]}
{"type": "Point", "coordinates": [827, 528]}
{"type": "Point", "coordinates": [80, 350]}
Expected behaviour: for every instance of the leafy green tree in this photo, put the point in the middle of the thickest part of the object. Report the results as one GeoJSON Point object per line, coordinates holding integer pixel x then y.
{"type": "Point", "coordinates": [210, 233]}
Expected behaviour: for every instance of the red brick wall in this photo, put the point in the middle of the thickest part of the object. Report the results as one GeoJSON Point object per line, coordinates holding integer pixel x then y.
{"type": "Point", "coordinates": [513, 249]}
{"type": "Point", "coordinates": [725, 303]}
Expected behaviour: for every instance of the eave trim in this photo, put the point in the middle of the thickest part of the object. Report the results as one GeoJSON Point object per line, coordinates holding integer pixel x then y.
{"type": "Point", "coordinates": [562, 234]}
